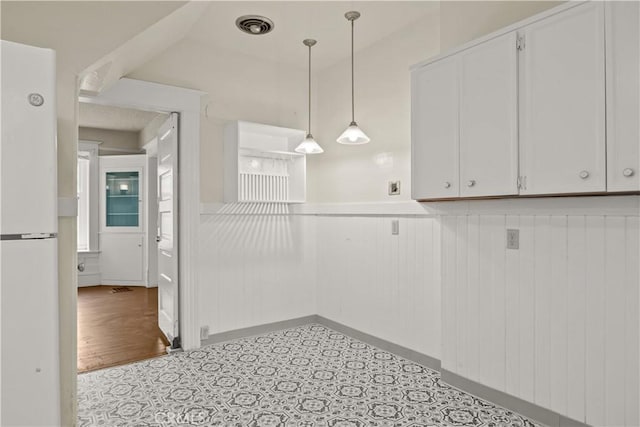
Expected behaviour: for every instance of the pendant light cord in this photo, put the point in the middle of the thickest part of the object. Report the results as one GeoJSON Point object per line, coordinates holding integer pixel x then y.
{"type": "Point", "coordinates": [309, 128]}
{"type": "Point", "coordinates": [353, 108]}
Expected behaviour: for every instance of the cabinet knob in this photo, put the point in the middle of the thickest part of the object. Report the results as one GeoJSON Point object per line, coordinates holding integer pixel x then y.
{"type": "Point", "coordinates": [584, 174]}
{"type": "Point", "coordinates": [471, 183]}
{"type": "Point", "coordinates": [447, 185]}
{"type": "Point", "coordinates": [628, 172]}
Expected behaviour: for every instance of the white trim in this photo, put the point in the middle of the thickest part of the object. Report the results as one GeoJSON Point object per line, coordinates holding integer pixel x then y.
{"type": "Point", "coordinates": [514, 27]}
{"type": "Point", "coordinates": [157, 97]}
{"type": "Point", "coordinates": [591, 205]}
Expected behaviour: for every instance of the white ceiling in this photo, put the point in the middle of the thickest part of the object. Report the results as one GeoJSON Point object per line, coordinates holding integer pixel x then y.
{"type": "Point", "coordinates": [298, 20]}
{"type": "Point", "coordinates": [114, 118]}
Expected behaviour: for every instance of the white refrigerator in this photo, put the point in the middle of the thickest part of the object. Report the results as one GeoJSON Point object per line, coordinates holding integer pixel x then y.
{"type": "Point", "coordinates": [29, 364]}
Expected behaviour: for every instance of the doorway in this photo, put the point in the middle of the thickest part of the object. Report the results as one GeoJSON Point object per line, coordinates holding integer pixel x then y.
{"type": "Point", "coordinates": [119, 307]}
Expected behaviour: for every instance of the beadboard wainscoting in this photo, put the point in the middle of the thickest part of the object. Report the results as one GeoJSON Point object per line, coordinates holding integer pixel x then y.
{"type": "Point", "coordinates": [555, 322]}
{"type": "Point", "coordinates": [257, 266]}
{"type": "Point", "coordinates": [382, 284]}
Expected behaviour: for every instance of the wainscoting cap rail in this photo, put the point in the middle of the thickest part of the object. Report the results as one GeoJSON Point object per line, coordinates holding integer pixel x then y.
{"type": "Point", "coordinates": [628, 205]}
{"type": "Point", "coordinates": [407, 208]}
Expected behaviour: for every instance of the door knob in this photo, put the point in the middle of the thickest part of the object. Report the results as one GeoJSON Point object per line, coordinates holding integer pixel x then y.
{"type": "Point", "coordinates": [158, 238]}
{"type": "Point", "coordinates": [628, 172]}
{"type": "Point", "coordinates": [471, 183]}
{"type": "Point", "coordinates": [584, 174]}
{"type": "Point", "coordinates": [447, 185]}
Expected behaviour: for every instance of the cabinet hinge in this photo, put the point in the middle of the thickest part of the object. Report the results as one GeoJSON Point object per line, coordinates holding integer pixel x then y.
{"type": "Point", "coordinates": [520, 42]}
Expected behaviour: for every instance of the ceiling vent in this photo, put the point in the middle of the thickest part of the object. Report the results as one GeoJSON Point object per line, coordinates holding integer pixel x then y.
{"type": "Point", "coordinates": [254, 24]}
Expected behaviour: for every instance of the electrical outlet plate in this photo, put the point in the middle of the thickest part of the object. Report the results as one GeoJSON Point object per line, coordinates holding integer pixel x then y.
{"type": "Point", "coordinates": [394, 188]}
{"type": "Point", "coordinates": [395, 227]}
{"type": "Point", "coordinates": [513, 239]}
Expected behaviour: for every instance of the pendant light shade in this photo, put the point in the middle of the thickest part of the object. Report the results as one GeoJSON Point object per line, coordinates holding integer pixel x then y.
{"type": "Point", "coordinates": [353, 135]}
{"type": "Point", "coordinates": [309, 145]}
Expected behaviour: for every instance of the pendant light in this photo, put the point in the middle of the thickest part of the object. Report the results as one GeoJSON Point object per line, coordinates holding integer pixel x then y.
{"type": "Point", "coordinates": [309, 145]}
{"type": "Point", "coordinates": [353, 135]}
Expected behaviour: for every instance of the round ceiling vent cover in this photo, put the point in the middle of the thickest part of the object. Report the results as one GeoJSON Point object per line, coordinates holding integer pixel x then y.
{"type": "Point", "coordinates": [254, 24]}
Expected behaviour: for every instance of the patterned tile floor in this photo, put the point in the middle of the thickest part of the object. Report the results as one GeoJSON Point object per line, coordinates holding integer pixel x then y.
{"type": "Point", "coordinates": [305, 376]}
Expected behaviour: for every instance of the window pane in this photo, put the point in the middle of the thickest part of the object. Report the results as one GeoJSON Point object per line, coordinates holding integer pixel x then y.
{"type": "Point", "coordinates": [122, 193]}
{"type": "Point", "coordinates": [83, 203]}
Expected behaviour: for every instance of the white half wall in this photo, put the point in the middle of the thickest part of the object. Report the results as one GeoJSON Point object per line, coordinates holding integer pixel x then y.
{"type": "Point", "coordinates": [556, 321]}
{"type": "Point", "coordinates": [382, 284]}
{"type": "Point", "coordinates": [255, 268]}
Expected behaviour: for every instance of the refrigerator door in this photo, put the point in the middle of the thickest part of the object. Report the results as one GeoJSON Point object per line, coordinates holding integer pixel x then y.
{"type": "Point", "coordinates": [29, 355]}
{"type": "Point", "coordinates": [28, 178]}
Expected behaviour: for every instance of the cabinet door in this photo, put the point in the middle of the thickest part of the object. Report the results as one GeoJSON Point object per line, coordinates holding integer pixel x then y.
{"type": "Point", "coordinates": [562, 128]}
{"type": "Point", "coordinates": [121, 258]}
{"type": "Point", "coordinates": [623, 89]}
{"type": "Point", "coordinates": [488, 118]}
{"type": "Point", "coordinates": [434, 130]}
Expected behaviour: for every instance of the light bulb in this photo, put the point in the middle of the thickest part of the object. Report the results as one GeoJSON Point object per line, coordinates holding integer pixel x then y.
{"type": "Point", "coordinates": [255, 29]}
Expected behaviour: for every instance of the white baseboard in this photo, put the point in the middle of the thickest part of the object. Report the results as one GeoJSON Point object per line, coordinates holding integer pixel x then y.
{"type": "Point", "coordinates": [89, 280]}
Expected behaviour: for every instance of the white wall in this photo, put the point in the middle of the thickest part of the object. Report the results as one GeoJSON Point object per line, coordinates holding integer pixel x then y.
{"type": "Point", "coordinates": [114, 142]}
{"type": "Point", "coordinates": [463, 21]}
{"type": "Point", "coordinates": [257, 266]}
{"type": "Point", "coordinates": [382, 284]}
{"type": "Point", "coordinates": [555, 322]}
{"type": "Point", "coordinates": [383, 101]}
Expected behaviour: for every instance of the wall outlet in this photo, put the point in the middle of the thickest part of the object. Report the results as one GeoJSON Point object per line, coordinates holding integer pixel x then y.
{"type": "Point", "coordinates": [395, 227]}
{"type": "Point", "coordinates": [513, 239]}
{"type": "Point", "coordinates": [204, 332]}
{"type": "Point", "coordinates": [394, 188]}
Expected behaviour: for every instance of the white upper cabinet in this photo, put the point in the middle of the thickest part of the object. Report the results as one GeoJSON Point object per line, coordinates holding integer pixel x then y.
{"type": "Point", "coordinates": [488, 118]}
{"type": "Point", "coordinates": [562, 115]}
{"type": "Point", "coordinates": [623, 89]}
{"type": "Point", "coordinates": [434, 118]}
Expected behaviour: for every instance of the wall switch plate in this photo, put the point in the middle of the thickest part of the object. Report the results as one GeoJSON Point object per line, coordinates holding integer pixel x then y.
{"type": "Point", "coordinates": [513, 239]}
{"type": "Point", "coordinates": [204, 332]}
{"type": "Point", "coordinates": [395, 227]}
{"type": "Point", "coordinates": [394, 188]}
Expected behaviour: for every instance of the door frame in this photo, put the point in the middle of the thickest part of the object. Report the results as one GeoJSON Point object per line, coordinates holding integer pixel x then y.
{"type": "Point", "coordinates": [138, 94]}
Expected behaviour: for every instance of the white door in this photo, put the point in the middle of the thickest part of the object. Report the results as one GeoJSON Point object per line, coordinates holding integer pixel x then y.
{"type": "Point", "coordinates": [168, 275]}
{"type": "Point", "coordinates": [623, 92]}
{"type": "Point", "coordinates": [562, 128]}
{"type": "Point", "coordinates": [434, 130]}
{"type": "Point", "coordinates": [488, 118]}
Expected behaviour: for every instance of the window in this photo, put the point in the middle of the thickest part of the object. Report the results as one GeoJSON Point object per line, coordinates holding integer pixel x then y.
{"type": "Point", "coordinates": [84, 179]}
{"type": "Point", "coordinates": [88, 195]}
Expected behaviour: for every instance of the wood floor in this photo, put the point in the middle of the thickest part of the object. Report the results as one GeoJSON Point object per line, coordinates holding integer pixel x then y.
{"type": "Point", "coordinates": [115, 328]}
